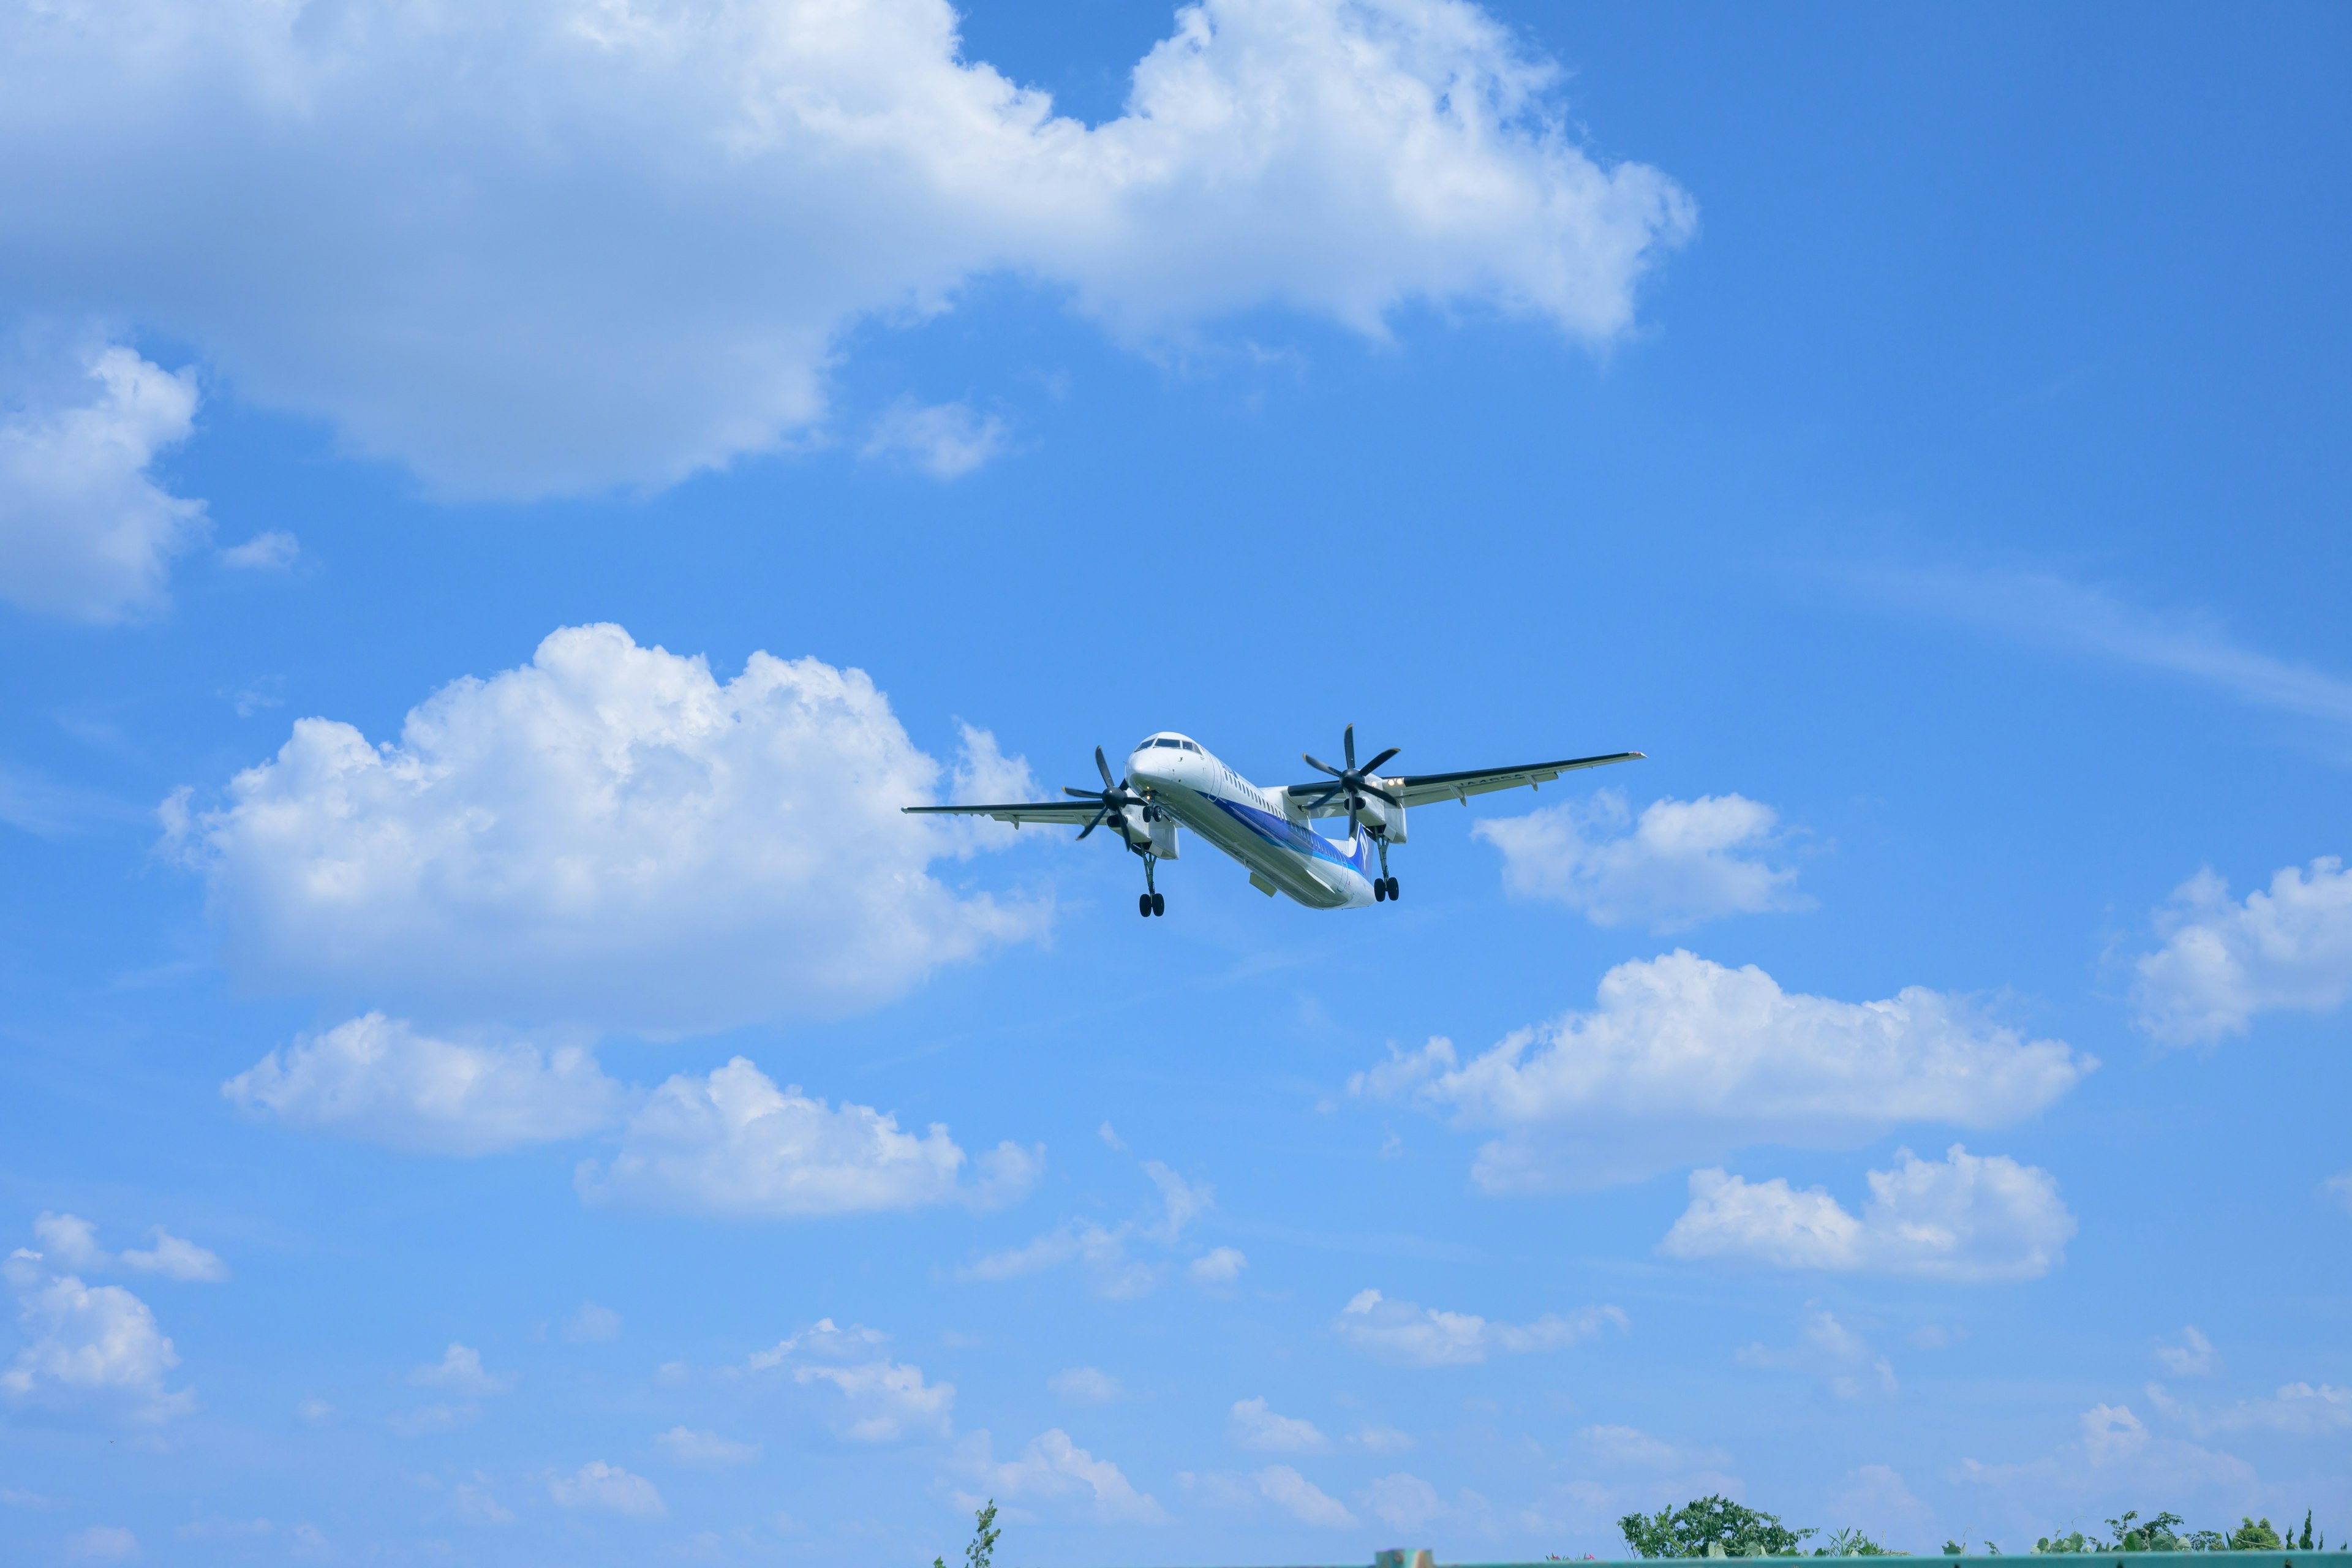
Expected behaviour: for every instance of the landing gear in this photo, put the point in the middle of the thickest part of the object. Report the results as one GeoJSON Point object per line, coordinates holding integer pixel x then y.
{"type": "Point", "coordinates": [1158, 903]}
{"type": "Point", "coordinates": [1384, 887]}
{"type": "Point", "coordinates": [1151, 900]}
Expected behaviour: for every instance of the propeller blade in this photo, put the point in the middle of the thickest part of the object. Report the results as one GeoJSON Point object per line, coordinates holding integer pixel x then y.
{"type": "Point", "coordinates": [1349, 738]}
{"type": "Point", "coordinates": [1373, 766]}
{"type": "Point", "coordinates": [1083, 794]}
{"type": "Point", "coordinates": [1103, 767]}
{"type": "Point", "coordinates": [1316, 803]}
{"type": "Point", "coordinates": [1308, 758]}
{"type": "Point", "coordinates": [1098, 822]}
{"type": "Point", "coordinates": [1375, 789]}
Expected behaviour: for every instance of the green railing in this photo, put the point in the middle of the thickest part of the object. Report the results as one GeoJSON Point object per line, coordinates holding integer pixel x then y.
{"type": "Point", "coordinates": [2289, 1559]}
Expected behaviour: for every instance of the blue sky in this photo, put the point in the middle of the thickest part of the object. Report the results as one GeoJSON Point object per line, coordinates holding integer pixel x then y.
{"type": "Point", "coordinates": [495, 513]}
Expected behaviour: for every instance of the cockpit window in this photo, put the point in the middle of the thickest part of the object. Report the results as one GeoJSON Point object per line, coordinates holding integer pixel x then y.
{"type": "Point", "coordinates": [1169, 741]}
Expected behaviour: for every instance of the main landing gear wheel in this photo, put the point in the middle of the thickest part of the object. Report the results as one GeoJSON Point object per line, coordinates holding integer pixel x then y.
{"type": "Point", "coordinates": [1393, 890]}
{"type": "Point", "coordinates": [1158, 903]}
{"type": "Point", "coordinates": [1379, 890]}
{"type": "Point", "coordinates": [1143, 905]}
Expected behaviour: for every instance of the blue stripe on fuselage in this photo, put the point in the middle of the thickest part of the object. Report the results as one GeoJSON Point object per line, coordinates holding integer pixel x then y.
{"type": "Point", "coordinates": [1291, 836]}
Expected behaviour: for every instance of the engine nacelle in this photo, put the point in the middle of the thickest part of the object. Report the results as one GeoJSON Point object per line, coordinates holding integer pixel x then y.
{"type": "Point", "coordinates": [1381, 817]}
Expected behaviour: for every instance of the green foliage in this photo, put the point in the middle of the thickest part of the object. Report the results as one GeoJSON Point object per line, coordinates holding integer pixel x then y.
{"type": "Point", "coordinates": [1709, 1522]}
{"type": "Point", "coordinates": [983, 1540]}
{"type": "Point", "coordinates": [2158, 1534]}
{"type": "Point", "coordinates": [2252, 1537]}
{"type": "Point", "coordinates": [1853, 1543]}
{"type": "Point", "coordinates": [2073, 1541]}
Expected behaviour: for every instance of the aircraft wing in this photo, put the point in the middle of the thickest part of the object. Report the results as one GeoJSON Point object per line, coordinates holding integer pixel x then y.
{"type": "Point", "coordinates": [1423, 789]}
{"type": "Point", "coordinates": [1059, 813]}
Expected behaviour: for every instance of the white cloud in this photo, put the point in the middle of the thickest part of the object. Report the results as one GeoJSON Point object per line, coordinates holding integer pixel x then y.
{"type": "Point", "coordinates": [1682, 863]}
{"type": "Point", "coordinates": [1218, 1266]}
{"type": "Point", "coordinates": [2114, 1447]}
{"type": "Point", "coordinates": [175, 1258]}
{"type": "Point", "coordinates": [1255, 1426]}
{"type": "Point", "coordinates": [2296, 1410]}
{"type": "Point", "coordinates": [1630, 1448]}
{"type": "Point", "coordinates": [460, 1371]}
{"type": "Point", "coordinates": [886, 1400]}
{"type": "Point", "coordinates": [738, 185]}
{"type": "Point", "coordinates": [2339, 1187]}
{"type": "Point", "coordinates": [89, 1348]}
{"type": "Point", "coordinates": [592, 1324]}
{"type": "Point", "coordinates": [2192, 1357]}
{"type": "Point", "coordinates": [1834, 1353]}
{"type": "Point", "coordinates": [1052, 1467]}
{"type": "Point", "coordinates": [1684, 1060]}
{"type": "Point", "coordinates": [1877, 1500]}
{"type": "Point", "coordinates": [85, 530]}
{"type": "Point", "coordinates": [1404, 1503]}
{"type": "Point", "coordinates": [2040, 608]}
{"type": "Point", "coordinates": [1084, 1385]}
{"type": "Point", "coordinates": [733, 1144]}
{"type": "Point", "coordinates": [1405, 1334]}
{"type": "Point", "coordinates": [69, 1242]}
{"type": "Point", "coordinates": [1376, 1439]}
{"type": "Point", "coordinates": [474, 1501]}
{"type": "Point", "coordinates": [606, 837]}
{"type": "Point", "coordinates": [2111, 1432]}
{"type": "Point", "coordinates": [704, 1450]}
{"type": "Point", "coordinates": [272, 550]}
{"type": "Point", "coordinates": [102, 1543]}
{"type": "Point", "coordinates": [1104, 1250]}
{"type": "Point", "coordinates": [382, 1080]}
{"type": "Point", "coordinates": [2223, 962]}
{"type": "Point", "coordinates": [1302, 1499]}
{"type": "Point", "coordinates": [1969, 1217]}
{"type": "Point", "coordinates": [609, 1488]}
{"type": "Point", "coordinates": [945, 440]}
{"type": "Point", "coordinates": [822, 1338]}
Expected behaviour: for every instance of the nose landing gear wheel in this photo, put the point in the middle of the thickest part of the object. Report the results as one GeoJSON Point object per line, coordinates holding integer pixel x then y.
{"type": "Point", "coordinates": [1158, 903]}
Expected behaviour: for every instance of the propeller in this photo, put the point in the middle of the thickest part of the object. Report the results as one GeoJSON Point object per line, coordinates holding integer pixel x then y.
{"type": "Point", "coordinates": [1355, 782]}
{"type": "Point", "coordinates": [1116, 797]}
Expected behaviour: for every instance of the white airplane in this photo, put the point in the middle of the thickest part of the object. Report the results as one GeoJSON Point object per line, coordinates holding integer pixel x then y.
{"type": "Point", "coordinates": [1173, 779]}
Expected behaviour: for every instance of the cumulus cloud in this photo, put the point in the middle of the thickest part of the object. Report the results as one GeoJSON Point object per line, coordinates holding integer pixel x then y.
{"type": "Point", "coordinates": [946, 441]}
{"type": "Point", "coordinates": [85, 531]}
{"type": "Point", "coordinates": [2296, 1410]}
{"type": "Point", "coordinates": [716, 192]}
{"type": "Point", "coordinates": [1302, 1498]}
{"type": "Point", "coordinates": [2223, 962]}
{"type": "Point", "coordinates": [1053, 1468]}
{"type": "Point", "coordinates": [1967, 1217]}
{"type": "Point", "coordinates": [1405, 1334]}
{"type": "Point", "coordinates": [608, 1488]}
{"type": "Point", "coordinates": [1103, 1250]}
{"type": "Point", "coordinates": [1875, 1498]}
{"type": "Point", "coordinates": [883, 1401]}
{"type": "Point", "coordinates": [274, 549]}
{"type": "Point", "coordinates": [1829, 1349]}
{"type": "Point", "coordinates": [1218, 1266]}
{"type": "Point", "coordinates": [71, 1242]}
{"type": "Point", "coordinates": [1085, 1385]}
{"type": "Point", "coordinates": [733, 1144]}
{"type": "Point", "coordinates": [704, 1450]}
{"type": "Point", "coordinates": [90, 1349]}
{"type": "Point", "coordinates": [102, 1543]}
{"type": "Point", "coordinates": [460, 1371]}
{"type": "Point", "coordinates": [1255, 1426]}
{"type": "Point", "coordinates": [592, 1324]}
{"type": "Point", "coordinates": [1403, 1501]}
{"type": "Point", "coordinates": [1684, 1060]}
{"type": "Point", "coordinates": [1682, 863]}
{"type": "Point", "coordinates": [2192, 1357]}
{"type": "Point", "coordinates": [382, 1080]}
{"type": "Point", "coordinates": [607, 836]}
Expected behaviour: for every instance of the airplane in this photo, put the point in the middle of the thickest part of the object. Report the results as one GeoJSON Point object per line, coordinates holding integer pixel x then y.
{"type": "Point", "coordinates": [1173, 779]}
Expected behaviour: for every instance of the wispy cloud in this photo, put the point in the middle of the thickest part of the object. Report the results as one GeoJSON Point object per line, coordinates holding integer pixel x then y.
{"type": "Point", "coordinates": [2053, 612]}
